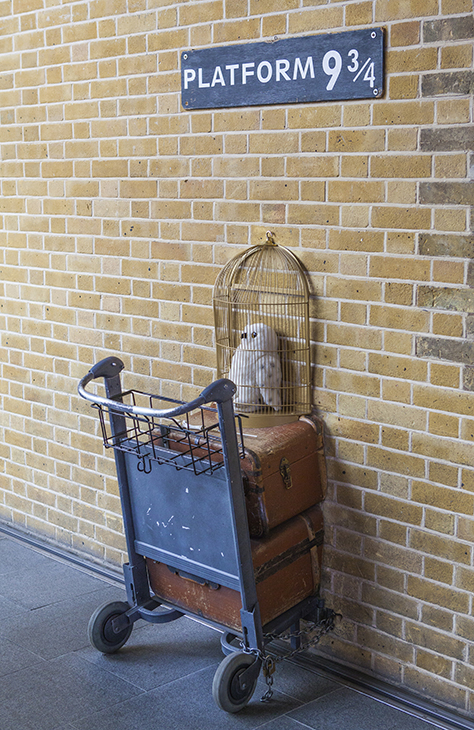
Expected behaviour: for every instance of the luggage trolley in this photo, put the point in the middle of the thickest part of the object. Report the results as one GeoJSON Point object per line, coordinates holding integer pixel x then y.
{"type": "Point", "coordinates": [189, 514]}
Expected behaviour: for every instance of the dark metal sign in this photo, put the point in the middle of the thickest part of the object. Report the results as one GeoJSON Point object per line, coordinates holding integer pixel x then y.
{"type": "Point", "coordinates": [327, 67]}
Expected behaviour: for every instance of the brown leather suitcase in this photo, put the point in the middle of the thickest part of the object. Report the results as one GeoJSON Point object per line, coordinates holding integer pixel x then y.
{"type": "Point", "coordinates": [284, 472]}
{"type": "Point", "coordinates": [287, 570]}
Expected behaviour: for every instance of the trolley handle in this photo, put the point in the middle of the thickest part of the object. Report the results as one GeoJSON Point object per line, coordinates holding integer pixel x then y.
{"type": "Point", "coordinates": [219, 391]}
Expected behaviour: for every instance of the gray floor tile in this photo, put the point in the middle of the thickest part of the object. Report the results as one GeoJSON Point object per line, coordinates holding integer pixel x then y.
{"type": "Point", "coordinates": [58, 628]}
{"type": "Point", "coordinates": [301, 684]}
{"type": "Point", "coordinates": [15, 557]}
{"type": "Point", "coordinates": [62, 690]}
{"type": "Point", "coordinates": [284, 723]}
{"type": "Point", "coordinates": [346, 709]}
{"type": "Point", "coordinates": [9, 609]}
{"type": "Point", "coordinates": [186, 704]}
{"type": "Point", "coordinates": [14, 657]}
{"type": "Point", "coordinates": [157, 654]}
{"type": "Point", "coordinates": [46, 583]}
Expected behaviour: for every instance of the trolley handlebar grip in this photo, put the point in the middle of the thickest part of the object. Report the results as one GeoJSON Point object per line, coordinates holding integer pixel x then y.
{"type": "Point", "coordinates": [219, 391]}
{"type": "Point", "coordinates": [107, 368]}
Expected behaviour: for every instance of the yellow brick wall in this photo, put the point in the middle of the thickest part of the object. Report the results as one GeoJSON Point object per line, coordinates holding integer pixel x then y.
{"type": "Point", "coordinates": [117, 211]}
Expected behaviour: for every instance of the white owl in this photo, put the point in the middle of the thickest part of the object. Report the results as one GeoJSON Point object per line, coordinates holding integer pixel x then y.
{"type": "Point", "coordinates": [256, 370]}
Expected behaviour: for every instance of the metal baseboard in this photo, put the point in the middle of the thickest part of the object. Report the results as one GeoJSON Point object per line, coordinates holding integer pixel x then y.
{"type": "Point", "coordinates": [382, 691]}
{"type": "Point", "coordinates": [85, 563]}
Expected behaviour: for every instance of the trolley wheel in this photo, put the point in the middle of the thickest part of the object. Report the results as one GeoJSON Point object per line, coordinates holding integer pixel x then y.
{"type": "Point", "coordinates": [226, 690]}
{"type": "Point", "coordinates": [101, 634]}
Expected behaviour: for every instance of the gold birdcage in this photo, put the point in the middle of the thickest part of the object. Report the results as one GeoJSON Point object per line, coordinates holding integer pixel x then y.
{"type": "Point", "coordinates": [261, 314]}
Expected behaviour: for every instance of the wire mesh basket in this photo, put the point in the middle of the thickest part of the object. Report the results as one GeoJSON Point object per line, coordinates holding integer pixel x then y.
{"type": "Point", "coordinates": [191, 441]}
{"type": "Point", "coordinates": [261, 314]}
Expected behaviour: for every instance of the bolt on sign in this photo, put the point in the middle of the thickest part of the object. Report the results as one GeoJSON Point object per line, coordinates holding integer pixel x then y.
{"type": "Point", "coordinates": [333, 66]}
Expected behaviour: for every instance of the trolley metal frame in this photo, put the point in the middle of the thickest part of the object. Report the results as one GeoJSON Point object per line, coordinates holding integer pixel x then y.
{"type": "Point", "coordinates": [199, 475]}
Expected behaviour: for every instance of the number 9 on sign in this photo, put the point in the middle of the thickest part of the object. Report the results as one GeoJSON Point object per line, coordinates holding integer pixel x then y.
{"type": "Point", "coordinates": [332, 64]}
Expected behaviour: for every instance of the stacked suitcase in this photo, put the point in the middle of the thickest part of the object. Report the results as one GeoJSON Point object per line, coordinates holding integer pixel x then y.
{"type": "Point", "coordinates": [284, 482]}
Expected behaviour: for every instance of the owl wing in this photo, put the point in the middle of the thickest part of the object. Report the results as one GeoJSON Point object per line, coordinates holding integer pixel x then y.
{"type": "Point", "coordinates": [242, 373]}
{"type": "Point", "coordinates": [268, 379]}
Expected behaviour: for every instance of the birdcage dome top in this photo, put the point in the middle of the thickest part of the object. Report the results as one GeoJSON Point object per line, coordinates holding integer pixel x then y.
{"type": "Point", "coordinates": [266, 267]}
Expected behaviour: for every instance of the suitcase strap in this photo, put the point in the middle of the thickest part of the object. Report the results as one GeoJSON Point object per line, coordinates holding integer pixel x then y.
{"type": "Point", "coordinates": [314, 548]}
{"type": "Point", "coordinates": [309, 544]}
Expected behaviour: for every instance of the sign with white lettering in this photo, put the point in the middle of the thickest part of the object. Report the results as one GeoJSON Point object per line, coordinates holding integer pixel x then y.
{"type": "Point", "coordinates": [328, 67]}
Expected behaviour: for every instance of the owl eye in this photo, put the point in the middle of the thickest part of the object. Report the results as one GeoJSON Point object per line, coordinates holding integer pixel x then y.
{"type": "Point", "coordinates": [254, 334]}
{"type": "Point", "coordinates": [243, 336]}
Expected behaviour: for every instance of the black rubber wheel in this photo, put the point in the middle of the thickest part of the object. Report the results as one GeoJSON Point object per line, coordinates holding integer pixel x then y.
{"type": "Point", "coordinates": [226, 690]}
{"type": "Point", "coordinates": [101, 634]}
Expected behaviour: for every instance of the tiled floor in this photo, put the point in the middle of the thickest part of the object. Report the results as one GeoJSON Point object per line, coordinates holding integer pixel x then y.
{"type": "Point", "coordinates": [52, 679]}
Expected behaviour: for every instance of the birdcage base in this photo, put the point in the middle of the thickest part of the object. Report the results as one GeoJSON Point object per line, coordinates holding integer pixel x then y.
{"type": "Point", "coordinates": [267, 420]}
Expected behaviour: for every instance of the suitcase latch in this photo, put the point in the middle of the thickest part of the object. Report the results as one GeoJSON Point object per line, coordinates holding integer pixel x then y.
{"type": "Point", "coordinates": [285, 471]}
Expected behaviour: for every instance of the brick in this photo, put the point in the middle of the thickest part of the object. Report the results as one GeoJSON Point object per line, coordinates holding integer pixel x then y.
{"type": "Point", "coordinates": [380, 642]}
{"type": "Point", "coordinates": [303, 214]}
{"type": "Point", "coordinates": [448, 324]}
{"type": "Point", "coordinates": [392, 461]}
{"type": "Point", "coordinates": [453, 111]}
{"type": "Point", "coordinates": [468, 378]}
{"type": "Point", "coordinates": [356, 115]}
{"type": "Point", "coordinates": [447, 140]}
{"type": "Point", "coordinates": [445, 349]}
{"type": "Point", "coordinates": [362, 240]}
{"type": "Point", "coordinates": [314, 166]}
{"type": "Point", "coordinates": [318, 19]}
{"type": "Point", "coordinates": [449, 166]}
{"type": "Point", "coordinates": [404, 87]}
{"type": "Point", "coordinates": [398, 217]}
{"type": "Point", "coordinates": [464, 579]}
{"type": "Point", "coordinates": [453, 500]}
{"type": "Point", "coordinates": [314, 118]}
{"type": "Point", "coordinates": [440, 522]}
{"type": "Point", "coordinates": [389, 600]}
{"type": "Point", "coordinates": [403, 113]}
{"type": "Point", "coordinates": [446, 245]}
{"type": "Point", "coordinates": [356, 140]}
{"type": "Point", "coordinates": [399, 293]}
{"type": "Point", "coordinates": [399, 318]}
{"type": "Point", "coordinates": [239, 30]}
{"type": "Point", "coordinates": [400, 166]}
{"type": "Point", "coordinates": [397, 367]}
{"type": "Point", "coordinates": [397, 268]}
{"type": "Point", "coordinates": [411, 60]}
{"type": "Point", "coordinates": [398, 10]}
{"type": "Point", "coordinates": [423, 636]}
{"type": "Point", "coordinates": [405, 34]}
{"type": "Point", "coordinates": [436, 448]}
{"type": "Point", "coordinates": [355, 192]}
{"type": "Point", "coordinates": [354, 166]}
{"type": "Point", "coordinates": [448, 29]}
{"type": "Point", "coordinates": [449, 298]}
{"type": "Point", "coordinates": [442, 193]}
{"type": "Point", "coordinates": [401, 192]}
{"type": "Point", "coordinates": [344, 288]}
{"type": "Point", "coordinates": [440, 596]}
{"type": "Point", "coordinates": [393, 509]}
{"type": "Point", "coordinates": [456, 56]}
{"type": "Point", "coordinates": [447, 82]}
